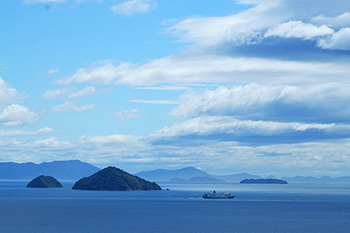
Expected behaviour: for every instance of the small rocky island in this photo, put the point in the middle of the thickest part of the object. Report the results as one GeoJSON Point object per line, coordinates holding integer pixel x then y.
{"type": "Point", "coordinates": [44, 182]}
{"type": "Point", "coordinates": [263, 181]}
{"type": "Point", "coordinates": [114, 179]}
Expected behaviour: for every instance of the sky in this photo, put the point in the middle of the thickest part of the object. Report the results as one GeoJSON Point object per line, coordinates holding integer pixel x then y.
{"type": "Point", "coordinates": [227, 86]}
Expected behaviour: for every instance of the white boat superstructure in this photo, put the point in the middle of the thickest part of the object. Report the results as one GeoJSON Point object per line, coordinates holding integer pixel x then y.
{"type": "Point", "coordinates": [216, 195]}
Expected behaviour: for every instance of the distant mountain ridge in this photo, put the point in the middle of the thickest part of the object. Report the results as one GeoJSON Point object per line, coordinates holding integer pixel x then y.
{"type": "Point", "coordinates": [191, 174]}
{"type": "Point", "coordinates": [201, 179]}
{"type": "Point", "coordinates": [194, 175]}
{"type": "Point", "coordinates": [163, 175]}
{"type": "Point", "coordinates": [62, 170]}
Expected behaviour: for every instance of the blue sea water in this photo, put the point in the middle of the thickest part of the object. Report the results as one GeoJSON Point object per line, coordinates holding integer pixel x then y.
{"type": "Point", "coordinates": [256, 208]}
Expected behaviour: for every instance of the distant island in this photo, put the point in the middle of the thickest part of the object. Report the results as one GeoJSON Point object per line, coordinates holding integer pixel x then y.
{"type": "Point", "coordinates": [114, 179]}
{"type": "Point", "coordinates": [44, 182]}
{"type": "Point", "coordinates": [263, 181]}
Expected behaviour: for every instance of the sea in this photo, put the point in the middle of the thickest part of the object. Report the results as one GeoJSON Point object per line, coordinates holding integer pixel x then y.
{"type": "Point", "coordinates": [260, 208]}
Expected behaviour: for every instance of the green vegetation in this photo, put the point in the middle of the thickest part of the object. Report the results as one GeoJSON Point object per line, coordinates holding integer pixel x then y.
{"type": "Point", "coordinates": [263, 181]}
{"type": "Point", "coordinates": [114, 179]}
{"type": "Point", "coordinates": [44, 182]}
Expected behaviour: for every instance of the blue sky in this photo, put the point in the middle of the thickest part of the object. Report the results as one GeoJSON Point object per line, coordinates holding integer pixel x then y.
{"type": "Point", "coordinates": [259, 86]}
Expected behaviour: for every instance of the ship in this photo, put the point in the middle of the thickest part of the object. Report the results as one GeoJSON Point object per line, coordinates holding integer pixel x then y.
{"type": "Point", "coordinates": [216, 195]}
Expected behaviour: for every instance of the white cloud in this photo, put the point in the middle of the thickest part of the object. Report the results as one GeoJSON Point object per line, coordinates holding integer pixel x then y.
{"type": "Point", "coordinates": [103, 74]}
{"type": "Point", "coordinates": [339, 40]}
{"type": "Point", "coordinates": [72, 106]}
{"type": "Point", "coordinates": [298, 29]}
{"type": "Point", "coordinates": [68, 93]}
{"type": "Point", "coordinates": [51, 142]}
{"type": "Point", "coordinates": [241, 28]}
{"type": "Point", "coordinates": [128, 115]}
{"type": "Point", "coordinates": [115, 138]}
{"type": "Point", "coordinates": [52, 71]}
{"type": "Point", "coordinates": [338, 22]}
{"type": "Point", "coordinates": [84, 92]}
{"type": "Point", "coordinates": [55, 94]}
{"type": "Point", "coordinates": [228, 125]}
{"type": "Point", "coordinates": [273, 102]}
{"type": "Point", "coordinates": [133, 7]}
{"type": "Point", "coordinates": [16, 115]}
{"type": "Point", "coordinates": [213, 59]}
{"type": "Point", "coordinates": [282, 18]}
{"type": "Point", "coordinates": [209, 69]}
{"type": "Point", "coordinates": [8, 94]}
{"type": "Point", "coordinates": [11, 133]}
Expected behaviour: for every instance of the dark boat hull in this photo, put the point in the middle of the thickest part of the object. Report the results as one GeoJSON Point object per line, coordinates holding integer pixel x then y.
{"type": "Point", "coordinates": [219, 197]}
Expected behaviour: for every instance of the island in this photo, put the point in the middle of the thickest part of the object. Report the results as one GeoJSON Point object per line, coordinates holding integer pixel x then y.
{"type": "Point", "coordinates": [114, 179]}
{"type": "Point", "coordinates": [263, 181]}
{"type": "Point", "coordinates": [44, 182]}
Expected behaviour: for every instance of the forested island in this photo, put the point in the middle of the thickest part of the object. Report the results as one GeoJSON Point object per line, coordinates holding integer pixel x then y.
{"type": "Point", "coordinates": [263, 181]}
{"type": "Point", "coordinates": [44, 182]}
{"type": "Point", "coordinates": [114, 179]}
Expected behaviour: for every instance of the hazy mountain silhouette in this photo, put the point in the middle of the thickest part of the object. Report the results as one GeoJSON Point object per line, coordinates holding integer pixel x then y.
{"type": "Point", "coordinates": [63, 170]}
{"type": "Point", "coordinates": [163, 175]}
{"type": "Point", "coordinates": [191, 174]}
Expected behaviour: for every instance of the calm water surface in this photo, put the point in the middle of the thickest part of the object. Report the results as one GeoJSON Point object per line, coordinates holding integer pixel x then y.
{"type": "Point", "coordinates": [257, 208]}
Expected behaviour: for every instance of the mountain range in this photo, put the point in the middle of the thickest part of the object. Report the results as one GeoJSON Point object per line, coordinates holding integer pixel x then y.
{"type": "Point", "coordinates": [191, 174]}
{"type": "Point", "coordinates": [75, 169]}
{"type": "Point", "coordinates": [62, 170]}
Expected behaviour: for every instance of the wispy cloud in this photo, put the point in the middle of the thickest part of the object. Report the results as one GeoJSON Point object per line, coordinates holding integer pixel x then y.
{"type": "Point", "coordinates": [68, 93]}
{"type": "Point", "coordinates": [55, 94]}
{"type": "Point", "coordinates": [253, 132]}
{"type": "Point", "coordinates": [84, 92]}
{"type": "Point", "coordinates": [133, 7]}
{"type": "Point", "coordinates": [249, 27]}
{"type": "Point", "coordinates": [52, 71]}
{"type": "Point", "coordinates": [337, 22]}
{"type": "Point", "coordinates": [11, 133]}
{"type": "Point", "coordinates": [72, 106]}
{"type": "Point", "coordinates": [209, 69]}
{"type": "Point", "coordinates": [128, 115]}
